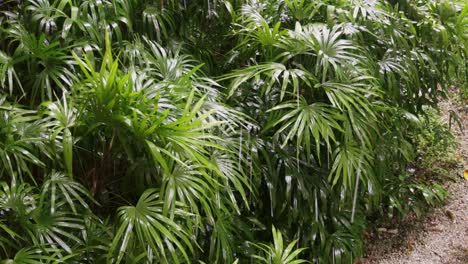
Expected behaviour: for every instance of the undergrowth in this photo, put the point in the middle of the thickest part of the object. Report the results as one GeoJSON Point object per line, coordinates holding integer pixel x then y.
{"type": "Point", "coordinates": [422, 184]}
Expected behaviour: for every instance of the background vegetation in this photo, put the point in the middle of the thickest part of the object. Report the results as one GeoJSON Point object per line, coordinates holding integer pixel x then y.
{"type": "Point", "coordinates": [218, 131]}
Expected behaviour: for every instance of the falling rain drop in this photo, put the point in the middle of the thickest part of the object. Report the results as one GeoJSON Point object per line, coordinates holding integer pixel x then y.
{"type": "Point", "coordinates": [240, 149]}
{"type": "Point", "coordinates": [270, 188]}
{"type": "Point", "coordinates": [316, 205]}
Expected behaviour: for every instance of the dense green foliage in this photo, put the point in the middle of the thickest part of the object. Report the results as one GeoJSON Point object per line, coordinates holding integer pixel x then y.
{"type": "Point", "coordinates": [135, 131]}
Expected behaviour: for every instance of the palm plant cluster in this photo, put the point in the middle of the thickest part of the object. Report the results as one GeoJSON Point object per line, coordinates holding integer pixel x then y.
{"type": "Point", "coordinates": [137, 131]}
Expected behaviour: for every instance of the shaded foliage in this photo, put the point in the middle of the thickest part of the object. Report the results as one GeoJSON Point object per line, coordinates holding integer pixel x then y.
{"type": "Point", "coordinates": [136, 131]}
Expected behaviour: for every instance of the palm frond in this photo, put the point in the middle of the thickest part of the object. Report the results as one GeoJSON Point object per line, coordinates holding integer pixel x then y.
{"type": "Point", "coordinates": [278, 253]}
{"type": "Point", "coordinates": [145, 224]}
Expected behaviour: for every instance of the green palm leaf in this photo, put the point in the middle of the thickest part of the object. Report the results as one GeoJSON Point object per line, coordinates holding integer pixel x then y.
{"type": "Point", "coordinates": [277, 253]}
{"type": "Point", "coordinates": [34, 256]}
{"type": "Point", "coordinates": [305, 122]}
{"type": "Point", "coordinates": [58, 188]}
{"type": "Point", "coordinates": [144, 228]}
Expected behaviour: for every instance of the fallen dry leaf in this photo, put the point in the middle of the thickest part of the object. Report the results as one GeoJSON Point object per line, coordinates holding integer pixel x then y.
{"type": "Point", "coordinates": [382, 229]}
{"type": "Point", "coordinates": [368, 234]}
{"type": "Point", "coordinates": [409, 248]}
{"type": "Point", "coordinates": [362, 261]}
{"type": "Point", "coordinates": [435, 229]}
{"type": "Point", "coordinates": [450, 214]}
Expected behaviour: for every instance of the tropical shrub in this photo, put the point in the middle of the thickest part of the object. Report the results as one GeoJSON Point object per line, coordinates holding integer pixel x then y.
{"type": "Point", "coordinates": [136, 131]}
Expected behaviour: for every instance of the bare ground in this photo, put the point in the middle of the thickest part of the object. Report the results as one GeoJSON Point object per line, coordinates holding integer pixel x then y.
{"type": "Point", "coordinates": [441, 238]}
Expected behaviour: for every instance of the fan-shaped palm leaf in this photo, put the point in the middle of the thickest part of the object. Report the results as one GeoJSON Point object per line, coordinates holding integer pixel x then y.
{"type": "Point", "coordinates": [20, 139]}
{"type": "Point", "coordinates": [274, 73]}
{"type": "Point", "coordinates": [58, 188]}
{"type": "Point", "coordinates": [59, 228]}
{"type": "Point", "coordinates": [34, 256]}
{"type": "Point", "coordinates": [307, 121]}
{"type": "Point", "coordinates": [349, 161]}
{"type": "Point", "coordinates": [145, 228]}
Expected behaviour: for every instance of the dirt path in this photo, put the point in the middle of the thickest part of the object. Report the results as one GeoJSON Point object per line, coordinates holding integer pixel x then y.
{"type": "Point", "coordinates": [443, 237]}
